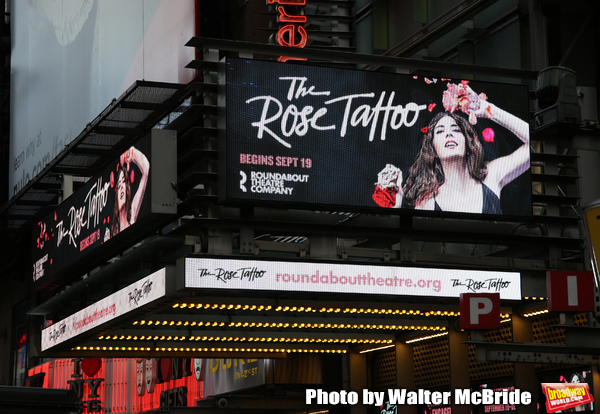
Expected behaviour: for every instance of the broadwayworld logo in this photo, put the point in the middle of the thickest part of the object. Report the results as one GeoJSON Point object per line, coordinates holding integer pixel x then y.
{"type": "Point", "coordinates": [560, 396]}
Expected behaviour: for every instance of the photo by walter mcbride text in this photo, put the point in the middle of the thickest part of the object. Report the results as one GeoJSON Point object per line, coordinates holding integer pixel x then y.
{"type": "Point", "coordinates": [419, 397]}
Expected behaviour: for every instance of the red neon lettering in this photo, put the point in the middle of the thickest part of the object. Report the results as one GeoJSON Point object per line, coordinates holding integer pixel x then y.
{"type": "Point", "coordinates": [289, 2]}
{"type": "Point", "coordinates": [290, 34]}
{"type": "Point", "coordinates": [286, 58]}
{"type": "Point", "coordinates": [291, 41]}
{"type": "Point", "coordinates": [284, 17]}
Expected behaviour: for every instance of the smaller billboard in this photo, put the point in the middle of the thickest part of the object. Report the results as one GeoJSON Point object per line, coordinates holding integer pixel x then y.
{"type": "Point", "coordinates": [117, 204]}
{"type": "Point", "coordinates": [130, 298]}
{"type": "Point", "coordinates": [272, 275]}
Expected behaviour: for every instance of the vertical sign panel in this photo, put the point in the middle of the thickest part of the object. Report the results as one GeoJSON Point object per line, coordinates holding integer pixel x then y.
{"type": "Point", "coordinates": [114, 205]}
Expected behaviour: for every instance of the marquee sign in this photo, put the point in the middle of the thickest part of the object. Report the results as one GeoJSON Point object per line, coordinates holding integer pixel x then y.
{"type": "Point", "coordinates": [131, 190]}
{"type": "Point", "coordinates": [130, 298]}
{"type": "Point", "coordinates": [307, 136]}
{"type": "Point", "coordinates": [271, 275]}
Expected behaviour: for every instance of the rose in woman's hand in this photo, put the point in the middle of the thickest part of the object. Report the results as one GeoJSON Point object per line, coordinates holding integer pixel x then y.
{"type": "Point", "coordinates": [462, 97]}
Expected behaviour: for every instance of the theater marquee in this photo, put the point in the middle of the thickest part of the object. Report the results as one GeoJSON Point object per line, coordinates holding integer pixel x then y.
{"type": "Point", "coordinates": [271, 275]}
{"type": "Point", "coordinates": [128, 299]}
{"type": "Point", "coordinates": [307, 136]}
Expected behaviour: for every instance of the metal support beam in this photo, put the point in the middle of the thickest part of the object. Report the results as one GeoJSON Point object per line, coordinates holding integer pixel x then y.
{"type": "Point", "coordinates": [358, 58]}
{"type": "Point", "coordinates": [536, 353]}
{"type": "Point", "coordinates": [540, 357]}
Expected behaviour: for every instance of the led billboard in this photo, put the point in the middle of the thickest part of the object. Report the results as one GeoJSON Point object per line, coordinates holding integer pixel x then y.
{"type": "Point", "coordinates": [304, 136]}
{"type": "Point", "coordinates": [117, 204]}
{"type": "Point", "coordinates": [130, 298]}
{"type": "Point", "coordinates": [272, 275]}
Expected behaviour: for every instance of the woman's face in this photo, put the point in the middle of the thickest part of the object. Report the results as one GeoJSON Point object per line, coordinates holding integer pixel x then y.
{"type": "Point", "coordinates": [121, 190]}
{"type": "Point", "coordinates": [448, 139]}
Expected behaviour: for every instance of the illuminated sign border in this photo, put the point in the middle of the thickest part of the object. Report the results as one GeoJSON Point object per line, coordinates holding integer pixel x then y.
{"type": "Point", "coordinates": [128, 299]}
{"type": "Point", "coordinates": [273, 275]}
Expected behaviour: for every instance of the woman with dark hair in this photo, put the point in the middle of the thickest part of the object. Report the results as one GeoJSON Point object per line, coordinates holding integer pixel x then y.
{"type": "Point", "coordinates": [450, 173]}
{"type": "Point", "coordinates": [127, 207]}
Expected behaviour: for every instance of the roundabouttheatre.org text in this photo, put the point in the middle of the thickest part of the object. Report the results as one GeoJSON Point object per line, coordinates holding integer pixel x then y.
{"type": "Point", "coordinates": [361, 280]}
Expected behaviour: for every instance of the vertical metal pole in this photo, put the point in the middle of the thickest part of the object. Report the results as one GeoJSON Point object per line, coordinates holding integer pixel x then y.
{"type": "Point", "coordinates": [524, 373]}
{"type": "Point", "coordinates": [459, 366]}
{"type": "Point", "coordinates": [405, 374]}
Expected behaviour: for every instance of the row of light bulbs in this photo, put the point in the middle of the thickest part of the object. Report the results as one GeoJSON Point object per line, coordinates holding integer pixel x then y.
{"type": "Point", "coordinates": [300, 325]}
{"type": "Point", "coordinates": [215, 306]}
{"type": "Point", "coordinates": [535, 313]}
{"type": "Point", "coordinates": [376, 311]}
{"type": "Point", "coordinates": [175, 349]}
{"type": "Point", "coordinates": [244, 339]}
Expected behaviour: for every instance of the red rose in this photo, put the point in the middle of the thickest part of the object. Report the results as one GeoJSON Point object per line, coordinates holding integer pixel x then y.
{"type": "Point", "coordinates": [424, 129]}
{"type": "Point", "coordinates": [488, 135]}
{"type": "Point", "coordinates": [384, 197]}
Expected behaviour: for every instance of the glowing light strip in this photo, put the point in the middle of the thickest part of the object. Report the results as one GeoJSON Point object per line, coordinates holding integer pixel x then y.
{"type": "Point", "coordinates": [535, 313]}
{"type": "Point", "coordinates": [424, 338]}
{"type": "Point", "coordinates": [376, 349]}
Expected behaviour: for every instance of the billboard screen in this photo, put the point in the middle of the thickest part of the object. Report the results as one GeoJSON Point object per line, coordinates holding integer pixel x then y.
{"type": "Point", "coordinates": [130, 298]}
{"type": "Point", "coordinates": [304, 135]}
{"type": "Point", "coordinates": [271, 275]}
{"type": "Point", "coordinates": [131, 190]}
